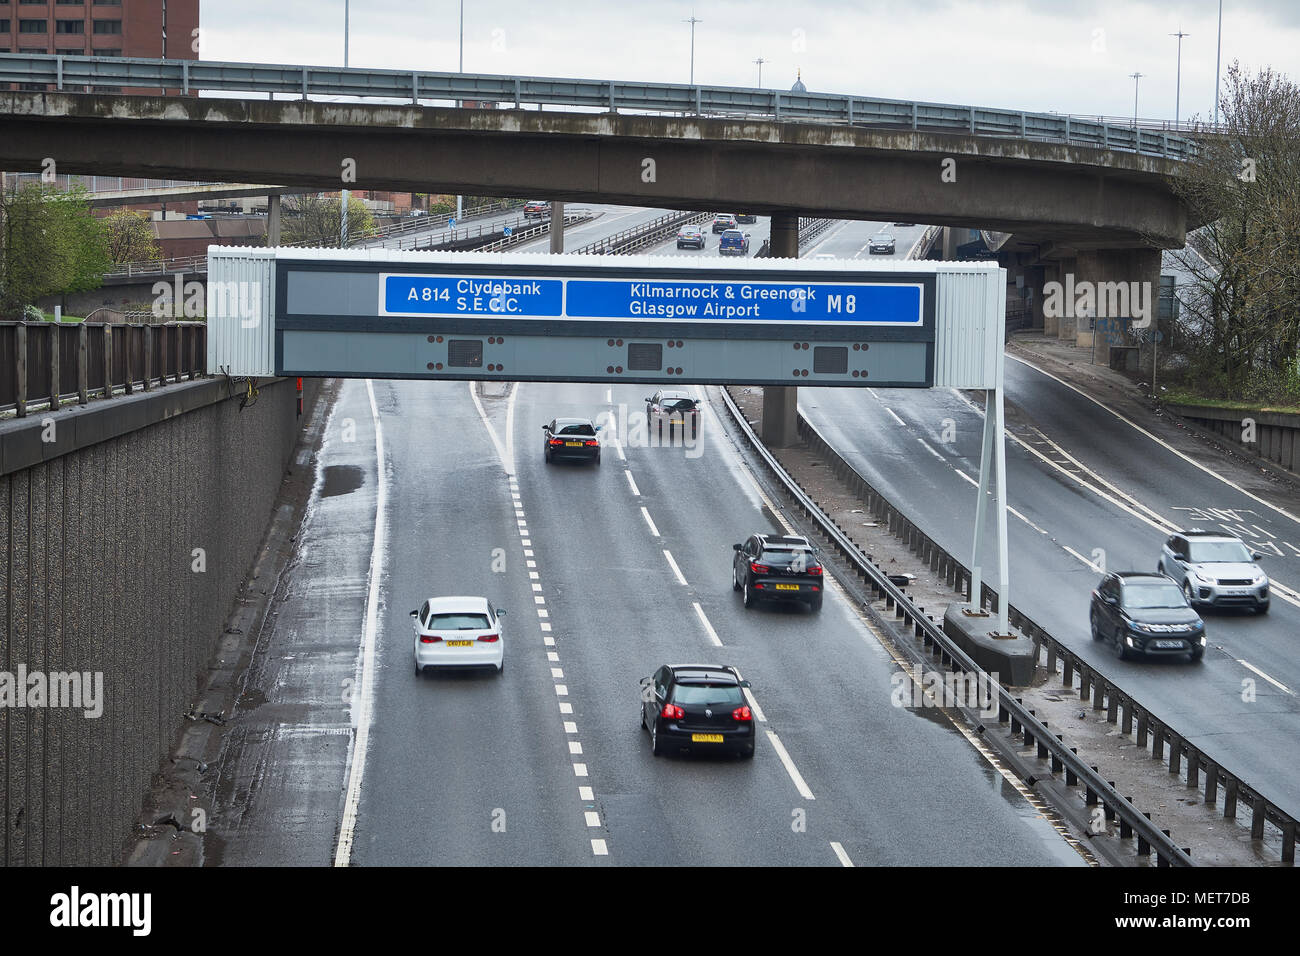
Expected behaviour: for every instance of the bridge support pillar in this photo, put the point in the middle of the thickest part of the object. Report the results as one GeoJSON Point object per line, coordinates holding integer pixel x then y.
{"type": "Point", "coordinates": [557, 227]}
{"type": "Point", "coordinates": [1124, 283]}
{"type": "Point", "coordinates": [952, 238]}
{"type": "Point", "coordinates": [1051, 317]}
{"type": "Point", "coordinates": [273, 220]}
{"type": "Point", "coordinates": [1035, 276]}
{"type": "Point", "coordinates": [1066, 322]}
{"type": "Point", "coordinates": [781, 404]}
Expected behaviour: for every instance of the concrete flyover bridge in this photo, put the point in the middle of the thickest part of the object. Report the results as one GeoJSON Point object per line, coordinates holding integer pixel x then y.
{"type": "Point", "coordinates": [1069, 190]}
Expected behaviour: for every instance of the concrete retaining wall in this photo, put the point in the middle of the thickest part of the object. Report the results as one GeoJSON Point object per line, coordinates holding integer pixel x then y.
{"type": "Point", "coordinates": [98, 535]}
{"type": "Point", "coordinates": [1277, 434]}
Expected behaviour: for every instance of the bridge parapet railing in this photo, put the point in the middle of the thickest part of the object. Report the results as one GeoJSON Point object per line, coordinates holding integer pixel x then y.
{"type": "Point", "coordinates": [46, 364]}
{"type": "Point", "coordinates": [77, 73]}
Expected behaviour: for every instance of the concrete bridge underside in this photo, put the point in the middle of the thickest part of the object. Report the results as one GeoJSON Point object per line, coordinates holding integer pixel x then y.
{"type": "Point", "coordinates": [1073, 198]}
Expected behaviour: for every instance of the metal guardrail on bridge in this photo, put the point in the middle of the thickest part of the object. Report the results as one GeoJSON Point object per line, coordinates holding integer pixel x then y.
{"type": "Point", "coordinates": [77, 73]}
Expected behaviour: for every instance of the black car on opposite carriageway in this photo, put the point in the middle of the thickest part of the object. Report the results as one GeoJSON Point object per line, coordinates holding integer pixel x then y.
{"type": "Point", "coordinates": [1144, 614]}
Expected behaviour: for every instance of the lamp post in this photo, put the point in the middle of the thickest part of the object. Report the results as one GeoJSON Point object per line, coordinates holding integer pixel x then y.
{"type": "Point", "coordinates": [760, 61]}
{"type": "Point", "coordinates": [1178, 83]}
{"type": "Point", "coordinates": [460, 199]}
{"type": "Point", "coordinates": [1136, 77]}
{"type": "Point", "coordinates": [692, 21]}
{"type": "Point", "coordinates": [345, 195]}
{"type": "Point", "coordinates": [1218, 50]}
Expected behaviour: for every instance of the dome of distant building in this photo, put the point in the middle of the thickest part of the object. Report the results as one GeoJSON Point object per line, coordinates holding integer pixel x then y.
{"type": "Point", "coordinates": [798, 84]}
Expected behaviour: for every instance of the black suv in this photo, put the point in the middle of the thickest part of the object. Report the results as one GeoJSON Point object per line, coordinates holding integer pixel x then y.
{"type": "Point", "coordinates": [776, 568]}
{"type": "Point", "coordinates": [697, 706]}
{"type": "Point", "coordinates": [1140, 613]}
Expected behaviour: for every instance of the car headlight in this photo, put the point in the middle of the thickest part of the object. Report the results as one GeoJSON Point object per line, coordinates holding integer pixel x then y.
{"type": "Point", "coordinates": [1202, 640]}
{"type": "Point", "coordinates": [1261, 578]}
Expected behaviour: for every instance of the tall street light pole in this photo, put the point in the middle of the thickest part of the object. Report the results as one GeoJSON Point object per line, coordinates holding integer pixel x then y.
{"type": "Point", "coordinates": [760, 61]}
{"type": "Point", "coordinates": [460, 199]}
{"type": "Point", "coordinates": [1218, 50]}
{"type": "Point", "coordinates": [1136, 77]}
{"type": "Point", "coordinates": [1178, 83]}
{"type": "Point", "coordinates": [692, 21]}
{"type": "Point", "coordinates": [345, 195]}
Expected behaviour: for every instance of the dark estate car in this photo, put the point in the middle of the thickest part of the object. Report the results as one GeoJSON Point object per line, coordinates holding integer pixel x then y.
{"type": "Point", "coordinates": [690, 236]}
{"type": "Point", "coordinates": [746, 217]}
{"type": "Point", "coordinates": [723, 222]}
{"type": "Point", "coordinates": [777, 568]}
{"type": "Point", "coordinates": [697, 706]}
{"type": "Point", "coordinates": [571, 438]}
{"type": "Point", "coordinates": [880, 245]}
{"type": "Point", "coordinates": [1141, 613]}
{"type": "Point", "coordinates": [674, 407]}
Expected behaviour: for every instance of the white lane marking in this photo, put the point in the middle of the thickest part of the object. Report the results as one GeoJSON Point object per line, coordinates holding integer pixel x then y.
{"type": "Point", "coordinates": [542, 612]}
{"type": "Point", "coordinates": [492, 432]}
{"type": "Point", "coordinates": [708, 628]}
{"type": "Point", "coordinates": [1278, 684]}
{"type": "Point", "coordinates": [561, 690]}
{"type": "Point", "coordinates": [566, 707]}
{"type": "Point", "coordinates": [962, 474]}
{"type": "Point", "coordinates": [930, 449]}
{"type": "Point", "coordinates": [536, 586]}
{"type": "Point", "coordinates": [575, 748]}
{"type": "Point", "coordinates": [592, 818]}
{"type": "Point", "coordinates": [586, 793]}
{"type": "Point", "coordinates": [1161, 442]}
{"type": "Point", "coordinates": [753, 703]}
{"type": "Point", "coordinates": [553, 657]}
{"type": "Point", "coordinates": [526, 542]}
{"type": "Point", "coordinates": [609, 396]}
{"type": "Point", "coordinates": [618, 449]}
{"type": "Point", "coordinates": [1094, 567]}
{"type": "Point", "coordinates": [635, 490]}
{"type": "Point", "coordinates": [361, 742]}
{"type": "Point", "coordinates": [557, 673]}
{"type": "Point", "coordinates": [677, 572]}
{"type": "Point", "coordinates": [510, 428]}
{"type": "Point", "coordinates": [598, 848]}
{"type": "Point", "coordinates": [579, 769]}
{"type": "Point", "coordinates": [529, 554]}
{"type": "Point", "coordinates": [538, 599]}
{"type": "Point", "coordinates": [570, 727]}
{"type": "Point", "coordinates": [532, 575]}
{"type": "Point", "coordinates": [1269, 533]}
{"type": "Point", "coordinates": [895, 417]}
{"type": "Point", "coordinates": [840, 854]}
{"type": "Point", "coordinates": [645, 514]}
{"type": "Point", "coordinates": [790, 768]}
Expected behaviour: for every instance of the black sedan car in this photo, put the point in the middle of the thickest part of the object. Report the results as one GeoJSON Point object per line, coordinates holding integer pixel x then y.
{"type": "Point", "coordinates": [1140, 613]}
{"type": "Point", "coordinates": [774, 567]}
{"type": "Point", "coordinates": [700, 707]}
{"type": "Point", "coordinates": [880, 245]}
{"type": "Point", "coordinates": [571, 438]}
{"type": "Point", "coordinates": [674, 408]}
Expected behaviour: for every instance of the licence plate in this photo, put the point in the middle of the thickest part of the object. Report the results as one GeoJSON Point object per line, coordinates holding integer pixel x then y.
{"type": "Point", "coordinates": [459, 643]}
{"type": "Point", "coordinates": [573, 444]}
{"type": "Point", "coordinates": [787, 587]}
{"type": "Point", "coordinates": [1169, 644]}
{"type": "Point", "coordinates": [706, 738]}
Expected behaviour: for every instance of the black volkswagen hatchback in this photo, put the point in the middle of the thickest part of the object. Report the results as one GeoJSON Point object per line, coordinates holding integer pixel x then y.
{"type": "Point", "coordinates": [697, 706]}
{"type": "Point", "coordinates": [1145, 614]}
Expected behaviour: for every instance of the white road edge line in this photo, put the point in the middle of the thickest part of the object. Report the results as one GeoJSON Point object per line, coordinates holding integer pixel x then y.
{"type": "Point", "coordinates": [708, 628]}
{"type": "Point", "coordinates": [895, 417]}
{"type": "Point", "coordinates": [492, 432]}
{"type": "Point", "coordinates": [361, 742]}
{"type": "Point", "coordinates": [677, 572]}
{"type": "Point", "coordinates": [839, 852]}
{"type": "Point", "coordinates": [790, 768]}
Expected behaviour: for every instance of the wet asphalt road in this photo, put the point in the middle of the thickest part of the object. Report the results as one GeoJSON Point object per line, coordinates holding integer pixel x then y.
{"type": "Point", "coordinates": [478, 768]}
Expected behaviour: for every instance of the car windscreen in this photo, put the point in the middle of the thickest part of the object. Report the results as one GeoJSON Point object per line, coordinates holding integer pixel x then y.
{"type": "Point", "coordinates": [584, 430]}
{"type": "Point", "coordinates": [706, 694]}
{"type": "Point", "coordinates": [458, 622]}
{"type": "Point", "coordinates": [1139, 596]}
{"type": "Point", "coordinates": [1200, 551]}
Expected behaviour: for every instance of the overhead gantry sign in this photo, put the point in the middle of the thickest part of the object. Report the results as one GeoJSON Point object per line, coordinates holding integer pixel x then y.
{"type": "Point", "coordinates": [583, 318]}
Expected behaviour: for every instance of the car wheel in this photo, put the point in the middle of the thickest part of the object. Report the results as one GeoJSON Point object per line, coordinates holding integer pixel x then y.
{"type": "Point", "coordinates": [501, 668]}
{"type": "Point", "coordinates": [655, 747]}
{"type": "Point", "coordinates": [597, 458]}
{"type": "Point", "coordinates": [641, 710]}
{"type": "Point", "coordinates": [1118, 647]}
{"type": "Point", "coordinates": [1096, 634]}
{"type": "Point", "coordinates": [735, 581]}
{"type": "Point", "coordinates": [1197, 655]}
{"type": "Point", "coordinates": [1187, 593]}
{"type": "Point", "coordinates": [815, 604]}
{"type": "Point", "coordinates": [1160, 567]}
{"type": "Point", "coordinates": [547, 455]}
{"type": "Point", "coordinates": [749, 594]}
{"type": "Point", "coordinates": [418, 670]}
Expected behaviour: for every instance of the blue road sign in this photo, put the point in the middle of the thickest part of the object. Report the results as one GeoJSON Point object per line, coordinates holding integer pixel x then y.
{"type": "Point", "coordinates": [451, 223]}
{"type": "Point", "coordinates": [707, 301]}
{"type": "Point", "coordinates": [507, 231]}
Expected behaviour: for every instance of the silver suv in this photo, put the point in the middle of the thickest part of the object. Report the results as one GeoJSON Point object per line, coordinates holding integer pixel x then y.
{"type": "Point", "coordinates": [1215, 569]}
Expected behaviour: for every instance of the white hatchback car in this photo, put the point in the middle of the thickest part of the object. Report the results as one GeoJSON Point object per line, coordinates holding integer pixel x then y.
{"type": "Point", "coordinates": [458, 632]}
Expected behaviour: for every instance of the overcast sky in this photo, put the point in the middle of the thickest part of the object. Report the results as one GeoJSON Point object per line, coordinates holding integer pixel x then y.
{"type": "Point", "coordinates": [1070, 56]}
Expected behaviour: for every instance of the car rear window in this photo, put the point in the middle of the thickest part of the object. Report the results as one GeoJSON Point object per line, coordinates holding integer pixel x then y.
{"type": "Point", "coordinates": [787, 556]}
{"type": "Point", "coordinates": [586, 430]}
{"type": "Point", "coordinates": [682, 403]}
{"type": "Point", "coordinates": [458, 622]}
{"type": "Point", "coordinates": [705, 693]}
